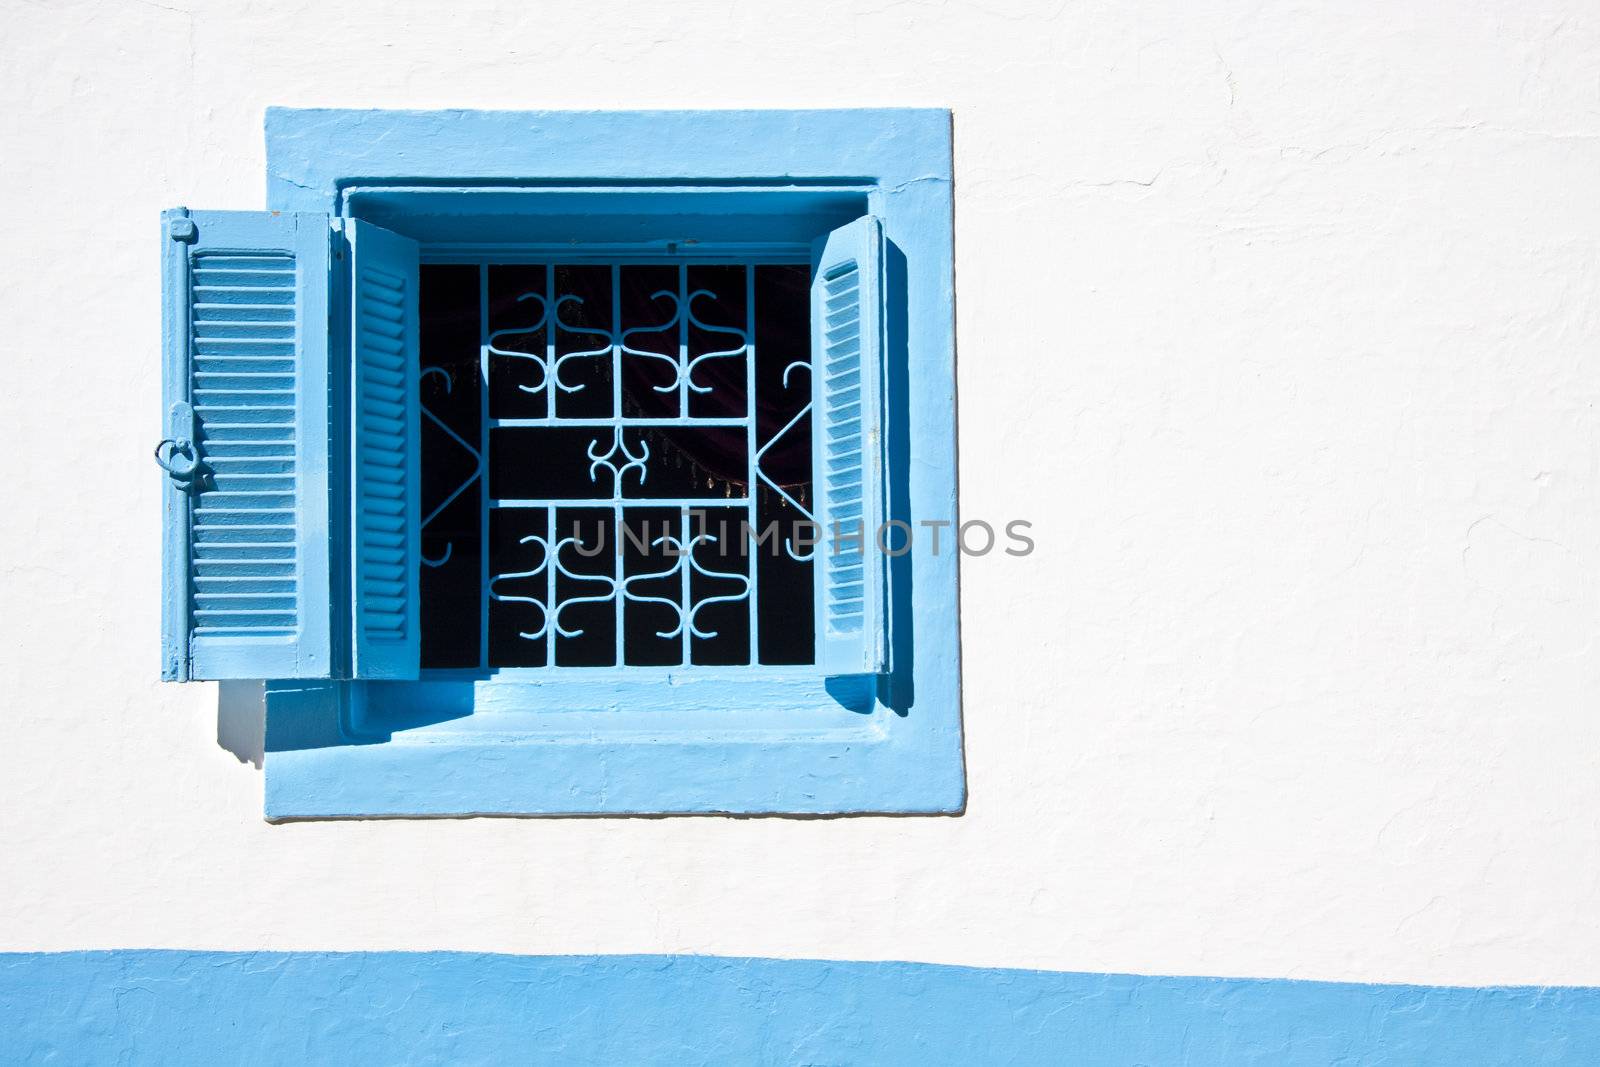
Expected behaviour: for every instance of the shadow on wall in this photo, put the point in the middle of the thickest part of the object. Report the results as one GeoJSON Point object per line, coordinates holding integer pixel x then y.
{"type": "Point", "coordinates": [896, 688]}
{"type": "Point", "coordinates": [242, 720]}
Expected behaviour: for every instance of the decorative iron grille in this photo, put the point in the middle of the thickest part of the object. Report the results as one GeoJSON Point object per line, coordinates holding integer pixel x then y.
{"type": "Point", "coordinates": [615, 460]}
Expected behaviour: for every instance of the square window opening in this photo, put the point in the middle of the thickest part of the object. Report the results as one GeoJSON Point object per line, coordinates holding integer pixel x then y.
{"type": "Point", "coordinates": [616, 462]}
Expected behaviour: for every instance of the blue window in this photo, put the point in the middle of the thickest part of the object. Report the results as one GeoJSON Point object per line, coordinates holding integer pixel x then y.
{"type": "Point", "coordinates": [553, 463]}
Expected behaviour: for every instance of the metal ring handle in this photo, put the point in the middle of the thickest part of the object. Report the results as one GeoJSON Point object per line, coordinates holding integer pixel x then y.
{"type": "Point", "coordinates": [178, 447]}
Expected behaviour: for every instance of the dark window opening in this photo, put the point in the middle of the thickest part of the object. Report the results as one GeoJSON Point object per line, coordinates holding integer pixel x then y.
{"type": "Point", "coordinates": [616, 465]}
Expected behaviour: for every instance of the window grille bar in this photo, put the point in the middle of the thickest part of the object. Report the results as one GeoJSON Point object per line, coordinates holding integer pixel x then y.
{"type": "Point", "coordinates": [552, 540]}
{"type": "Point", "coordinates": [616, 482]}
{"type": "Point", "coordinates": [686, 619]}
{"type": "Point", "coordinates": [683, 342]}
{"type": "Point", "coordinates": [753, 493]}
{"type": "Point", "coordinates": [483, 465]}
{"type": "Point", "coordinates": [608, 423]}
{"type": "Point", "coordinates": [691, 503]}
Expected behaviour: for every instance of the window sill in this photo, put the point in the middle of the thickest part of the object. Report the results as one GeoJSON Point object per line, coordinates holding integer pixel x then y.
{"type": "Point", "coordinates": [701, 757]}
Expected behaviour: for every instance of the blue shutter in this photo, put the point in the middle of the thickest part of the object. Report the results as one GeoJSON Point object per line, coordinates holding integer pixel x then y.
{"type": "Point", "coordinates": [385, 431]}
{"type": "Point", "coordinates": [245, 455]}
{"type": "Point", "coordinates": [847, 345]}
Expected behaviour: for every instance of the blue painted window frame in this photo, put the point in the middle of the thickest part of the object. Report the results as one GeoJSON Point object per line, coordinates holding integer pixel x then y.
{"type": "Point", "coordinates": [635, 740]}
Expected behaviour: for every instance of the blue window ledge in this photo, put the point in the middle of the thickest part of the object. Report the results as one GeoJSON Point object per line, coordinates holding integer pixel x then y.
{"type": "Point", "coordinates": [641, 741]}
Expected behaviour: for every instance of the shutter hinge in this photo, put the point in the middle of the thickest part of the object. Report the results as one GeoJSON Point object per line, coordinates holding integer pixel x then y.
{"type": "Point", "coordinates": [182, 228]}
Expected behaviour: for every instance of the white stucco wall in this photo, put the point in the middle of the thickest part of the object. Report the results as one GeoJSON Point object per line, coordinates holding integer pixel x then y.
{"type": "Point", "coordinates": [1280, 323]}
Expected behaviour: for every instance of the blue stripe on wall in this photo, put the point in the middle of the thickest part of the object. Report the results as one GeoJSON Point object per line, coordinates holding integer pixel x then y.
{"type": "Point", "coordinates": [174, 1007]}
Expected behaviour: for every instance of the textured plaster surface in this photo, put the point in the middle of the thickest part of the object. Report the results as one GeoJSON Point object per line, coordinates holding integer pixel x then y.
{"type": "Point", "coordinates": [455, 1008]}
{"type": "Point", "coordinates": [1289, 312]}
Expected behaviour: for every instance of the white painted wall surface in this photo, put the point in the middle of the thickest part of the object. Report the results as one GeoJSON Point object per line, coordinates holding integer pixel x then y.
{"type": "Point", "coordinates": [1291, 312]}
